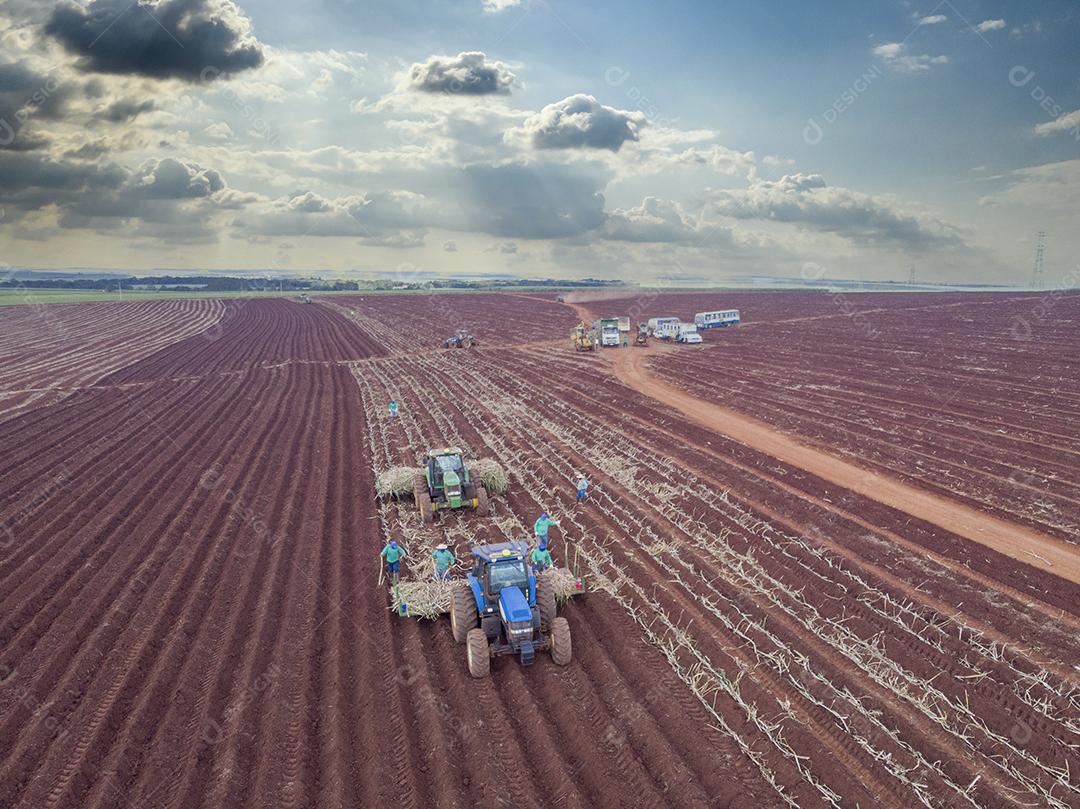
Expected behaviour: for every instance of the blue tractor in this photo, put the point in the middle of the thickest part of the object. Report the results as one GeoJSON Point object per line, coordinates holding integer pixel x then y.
{"type": "Point", "coordinates": [502, 608]}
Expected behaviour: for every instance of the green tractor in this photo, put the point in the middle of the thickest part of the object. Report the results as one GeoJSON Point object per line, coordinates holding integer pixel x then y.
{"type": "Point", "coordinates": [446, 484]}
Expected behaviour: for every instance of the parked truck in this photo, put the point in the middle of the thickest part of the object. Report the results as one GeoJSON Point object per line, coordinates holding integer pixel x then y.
{"type": "Point", "coordinates": [658, 322]}
{"type": "Point", "coordinates": [687, 333]}
{"type": "Point", "coordinates": [666, 328]}
{"type": "Point", "coordinates": [607, 331]}
{"type": "Point", "coordinates": [714, 320]}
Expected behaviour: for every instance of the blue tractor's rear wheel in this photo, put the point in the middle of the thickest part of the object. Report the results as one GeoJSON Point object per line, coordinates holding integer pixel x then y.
{"type": "Point", "coordinates": [463, 614]}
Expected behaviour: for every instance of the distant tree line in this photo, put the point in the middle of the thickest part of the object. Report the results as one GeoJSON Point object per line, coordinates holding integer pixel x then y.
{"type": "Point", "coordinates": [224, 283]}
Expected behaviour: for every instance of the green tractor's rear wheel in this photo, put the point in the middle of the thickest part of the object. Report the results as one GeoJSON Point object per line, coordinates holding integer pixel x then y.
{"type": "Point", "coordinates": [483, 506]}
{"type": "Point", "coordinates": [561, 648]}
{"type": "Point", "coordinates": [477, 653]}
{"type": "Point", "coordinates": [545, 599]}
{"type": "Point", "coordinates": [423, 500]}
{"type": "Point", "coordinates": [463, 615]}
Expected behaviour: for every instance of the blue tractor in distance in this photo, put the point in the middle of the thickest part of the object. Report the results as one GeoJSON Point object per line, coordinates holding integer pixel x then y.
{"type": "Point", "coordinates": [502, 608]}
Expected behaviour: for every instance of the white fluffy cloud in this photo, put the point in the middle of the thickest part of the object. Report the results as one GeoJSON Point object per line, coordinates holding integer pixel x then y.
{"type": "Point", "coordinates": [374, 215]}
{"type": "Point", "coordinates": [580, 122]}
{"type": "Point", "coordinates": [495, 6]}
{"type": "Point", "coordinates": [1068, 122]}
{"type": "Point", "coordinates": [990, 25]}
{"type": "Point", "coordinates": [895, 55]}
{"type": "Point", "coordinates": [470, 73]}
{"type": "Point", "coordinates": [1054, 187]}
{"type": "Point", "coordinates": [658, 220]}
{"type": "Point", "coordinates": [720, 159]}
{"type": "Point", "coordinates": [806, 200]}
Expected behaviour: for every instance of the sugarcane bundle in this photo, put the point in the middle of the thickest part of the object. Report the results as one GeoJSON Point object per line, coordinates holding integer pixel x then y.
{"type": "Point", "coordinates": [491, 475]}
{"type": "Point", "coordinates": [565, 583]}
{"type": "Point", "coordinates": [397, 481]}
{"type": "Point", "coordinates": [422, 599]}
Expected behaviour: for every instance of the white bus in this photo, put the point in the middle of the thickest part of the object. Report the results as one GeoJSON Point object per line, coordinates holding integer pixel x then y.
{"type": "Point", "coordinates": [666, 328]}
{"type": "Point", "coordinates": [656, 323]}
{"type": "Point", "coordinates": [712, 320]}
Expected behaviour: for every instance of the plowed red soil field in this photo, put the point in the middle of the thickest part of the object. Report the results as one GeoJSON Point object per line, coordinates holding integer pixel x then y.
{"type": "Point", "coordinates": [191, 611]}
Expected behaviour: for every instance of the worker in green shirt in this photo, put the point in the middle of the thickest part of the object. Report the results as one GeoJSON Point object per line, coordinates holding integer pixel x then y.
{"type": "Point", "coordinates": [541, 558]}
{"type": "Point", "coordinates": [393, 553]}
{"type": "Point", "coordinates": [443, 559]}
{"type": "Point", "coordinates": [541, 526]}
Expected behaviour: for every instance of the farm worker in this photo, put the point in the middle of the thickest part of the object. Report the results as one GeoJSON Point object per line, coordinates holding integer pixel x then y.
{"type": "Point", "coordinates": [443, 559]}
{"type": "Point", "coordinates": [541, 557]}
{"type": "Point", "coordinates": [541, 526]}
{"type": "Point", "coordinates": [625, 341]}
{"type": "Point", "coordinates": [393, 553]}
{"type": "Point", "coordinates": [582, 488]}
{"type": "Point", "coordinates": [393, 408]}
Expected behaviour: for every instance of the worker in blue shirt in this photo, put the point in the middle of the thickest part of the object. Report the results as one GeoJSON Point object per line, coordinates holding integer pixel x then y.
{"type": "Point", "coordinates": [443, 557]}
{"type": "Point", "coordinates": [582, 488]}
{"type": "Point", "coordinates": [393, 553]}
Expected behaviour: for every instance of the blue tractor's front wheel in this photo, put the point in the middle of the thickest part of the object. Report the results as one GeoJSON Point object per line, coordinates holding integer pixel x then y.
{"type": "Point", "coordinates": [561, 649]}
{"type": "Point", "coordinates": [477, 653]}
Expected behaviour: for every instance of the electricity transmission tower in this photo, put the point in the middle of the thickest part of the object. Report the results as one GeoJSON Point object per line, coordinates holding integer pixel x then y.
{"type": "Point", "coordinates": [1037, 270]}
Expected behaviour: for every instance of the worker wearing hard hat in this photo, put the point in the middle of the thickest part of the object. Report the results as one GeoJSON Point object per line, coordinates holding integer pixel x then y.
{"type": "Point", "coordinates": [443, 557]}
{"type": "Point", "coordinates": [582, 488]}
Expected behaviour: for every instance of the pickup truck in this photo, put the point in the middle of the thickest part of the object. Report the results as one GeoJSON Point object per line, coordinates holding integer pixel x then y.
{"type": "Point", "coordinates": [687, 334]}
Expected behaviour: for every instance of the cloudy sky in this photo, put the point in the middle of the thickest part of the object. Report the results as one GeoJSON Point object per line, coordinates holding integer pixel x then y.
{"type": "Point", "coordinates": [693, 141]}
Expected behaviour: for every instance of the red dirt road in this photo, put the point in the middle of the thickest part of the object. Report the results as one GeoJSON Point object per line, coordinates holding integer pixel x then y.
{"type": "Point", "coordinates": [1015, 541]}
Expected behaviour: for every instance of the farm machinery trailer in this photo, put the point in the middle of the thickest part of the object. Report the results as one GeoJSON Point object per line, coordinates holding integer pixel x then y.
{"type": "Point", "coordinates": [642, 338]}
{"type": "Point", "coordinates": [462, 339]}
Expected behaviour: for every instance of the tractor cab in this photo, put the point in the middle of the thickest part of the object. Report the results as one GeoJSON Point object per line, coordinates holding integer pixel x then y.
{"type": "Point", "coordinates": [447, 477]}
{"type": "Point", "coordinates": [498, 568]}
{"type": "Point", "coordinates": [446, 485]}
{"type": "Point", "coordinates": [504, 592]}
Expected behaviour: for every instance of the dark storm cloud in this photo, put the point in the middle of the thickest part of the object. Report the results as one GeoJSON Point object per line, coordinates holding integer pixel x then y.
{"type": "Point", "coordinates": [169, 200]}
{"type": "Point", "coordinates": [173, 179]}
{"type": "Point", "coordinates": [465, 74]}
{"type": "Point", "coordinates": [32, 181]}
{"type": "Point", "coordinates": [160, 39]}
{"type": "Point", "coordinates": [125, 110]}
{"type": "Point", "coordinates": [25, 96]}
